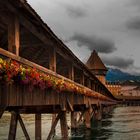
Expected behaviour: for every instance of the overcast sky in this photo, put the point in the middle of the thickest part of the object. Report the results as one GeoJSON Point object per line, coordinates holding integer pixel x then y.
{"type": "Point", "coordinates": [111, 27]}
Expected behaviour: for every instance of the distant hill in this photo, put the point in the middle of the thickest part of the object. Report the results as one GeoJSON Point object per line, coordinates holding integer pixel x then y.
{"type": "Point", "coordinates": [117, 75]}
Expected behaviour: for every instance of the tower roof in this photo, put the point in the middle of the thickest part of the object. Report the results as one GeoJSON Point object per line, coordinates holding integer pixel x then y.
{"type": "Point", "coordinates": [95, 63]}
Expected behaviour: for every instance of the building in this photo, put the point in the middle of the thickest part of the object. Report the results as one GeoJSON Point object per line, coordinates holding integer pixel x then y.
{"type": "Point", "coordinates": [130, 88]}
{"type": "Point", "coordinates": [98, 68]}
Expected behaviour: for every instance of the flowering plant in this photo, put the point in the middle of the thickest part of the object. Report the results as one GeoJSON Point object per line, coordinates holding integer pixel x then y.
{"type": "Point", "coordinates": [12, 71]}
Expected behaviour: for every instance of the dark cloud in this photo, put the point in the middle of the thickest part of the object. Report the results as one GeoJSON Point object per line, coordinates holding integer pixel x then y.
{"type": "Point", "coordinates": [94, 43]}
{"type": "Point", "coordinates": [76, 12]}
{"type": "Point", "coordinates": [133, 23]}
{"type": "Point", "coordinates": [135, 3]}
{"type": "Point", "coordinates": [118, 62]}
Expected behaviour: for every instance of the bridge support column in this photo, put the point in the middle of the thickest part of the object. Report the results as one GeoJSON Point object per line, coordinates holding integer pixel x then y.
{"type": "Point", "coordinates": [73, 120]}
{"type": "Point", "coordinates": [98, 115]}
{"type": "Point", "coordinates": [105, 110]}
{"type": "Point", "coordinates": [37, 126]}
{"type": "Point", "coordinates": [87, 118]}
{"type": "Point", "coordinates": [64, 126]}
{"type": "Point", "coordinates": [13, 126]}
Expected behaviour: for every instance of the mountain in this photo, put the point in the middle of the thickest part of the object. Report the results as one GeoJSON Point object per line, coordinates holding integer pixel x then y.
{"type": "Point", "coordinates": [117, 75]}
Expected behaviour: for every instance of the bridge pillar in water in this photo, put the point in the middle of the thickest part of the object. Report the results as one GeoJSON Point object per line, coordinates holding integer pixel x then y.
{"type": "Point", "coordinates": [87, 118]}
{"type": "Point", "coordinates": [74, 120]}
{"type": "Point", "coordinates": [99, 113]}
{"type": "Point", "coordinates": [38, 126]}
{"type": "Point", "coordinates": [13, 126]}
{"type": "Point", "coordinates": [64, 126]}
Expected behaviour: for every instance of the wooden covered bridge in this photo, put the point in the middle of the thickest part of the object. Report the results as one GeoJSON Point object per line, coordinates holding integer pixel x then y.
{"type": "Point", "coordinates": [39, 74]}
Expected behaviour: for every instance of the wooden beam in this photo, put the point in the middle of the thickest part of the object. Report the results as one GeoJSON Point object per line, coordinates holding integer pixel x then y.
{"type": "Point", "coordinates": [23, 128]}
{"type": "Point", "coordinates": [52, 59]}
{"type": "Point", "coordinates": [64, 126]}
{"type": "Point", "coordinates": [13, 126]}
{"type": "Point", "coordinates": [14, 35]}
{"type": "Point", "coordinates": [80, 118]}
{"type": "Point", "coordinates": [38, 126]}
{"type": "Point", "coordinates": [71, 71]}
{"type": "Point", "coordinates": [53, 126]}
{"type": "Point", "coordinates": [69, 105]}
{"type": "Point", "coordinates": [37, 31]}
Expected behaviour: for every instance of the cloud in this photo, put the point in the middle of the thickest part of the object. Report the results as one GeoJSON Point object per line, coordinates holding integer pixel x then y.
{"type": "Point", "coordinates": [135, 3]}
{"type": "Point", "coordinates": [76, 12]}
{"type": "Point", "coordinates": [94, 43]}
{"type": "Point", "coordinates": [133, 23]}
{"type": "Point", "coordinates": [118, 62]}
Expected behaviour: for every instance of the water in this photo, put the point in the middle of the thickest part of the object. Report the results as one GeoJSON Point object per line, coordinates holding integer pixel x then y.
{"type": "Point", "coordinates": [122, 124]}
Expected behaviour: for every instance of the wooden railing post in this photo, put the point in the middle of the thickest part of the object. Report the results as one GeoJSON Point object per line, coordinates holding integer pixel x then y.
{"type": "Point", "coordinates": [14, 35]}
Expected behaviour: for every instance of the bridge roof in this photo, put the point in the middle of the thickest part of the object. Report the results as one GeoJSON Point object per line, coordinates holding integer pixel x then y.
{"type": "Point", "coordinates": [95, 63]}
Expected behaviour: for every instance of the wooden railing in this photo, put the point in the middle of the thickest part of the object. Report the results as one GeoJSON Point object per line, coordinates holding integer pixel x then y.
{"type": "Point", "coordinates": [28, 63]}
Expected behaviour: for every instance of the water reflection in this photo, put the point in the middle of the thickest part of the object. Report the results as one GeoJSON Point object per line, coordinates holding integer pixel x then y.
{"type": "Point", "coordinates": [99, 130]}
{"type": "Point", "coordinates": [122, 124]}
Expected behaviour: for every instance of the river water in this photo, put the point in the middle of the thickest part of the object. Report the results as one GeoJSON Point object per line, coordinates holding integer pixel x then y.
{"type": "Point", "coordinates": [123, 123]}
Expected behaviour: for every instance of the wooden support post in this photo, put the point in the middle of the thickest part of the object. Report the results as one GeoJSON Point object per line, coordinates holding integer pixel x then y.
{"type": "Point", "coordinates": [14, 35]}
{"type": "Point", "coordinates": [52, 66]}
{"type": "Point", "coordinates": [52, 58]}
{"type": "Point", "coordinates": [13, 126]}
{"type": "Point", "coordinates": [64, 126]}
{"type": "Point", "coordinates": [87, 118]}
{"type": "Point", "coordinates": [53, 126]}
{"type": "Point", "coordinates": [37, 126]}
{"type": "Point", "coordinates": [70, 105]}
{"type": "Point", "coordinates": [23, 128]}
{"type": "Point", "coordinates": [73, 120]}
{"type": "Point", "coordinates": [71, 72]}
{"type": "Point", "coordinates": [82, 78]}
